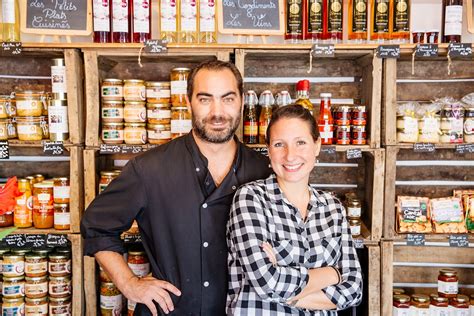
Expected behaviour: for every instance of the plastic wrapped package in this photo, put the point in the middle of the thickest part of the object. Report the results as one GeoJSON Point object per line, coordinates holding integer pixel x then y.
{"type": "Point", "coordinates": [413, 214]}
{"type": "Point", "coordinates": [428, 123]}
{"type": "Point", "coordinates": [407, 122]}
{"type": "Point", "coordinates": [447, 215]}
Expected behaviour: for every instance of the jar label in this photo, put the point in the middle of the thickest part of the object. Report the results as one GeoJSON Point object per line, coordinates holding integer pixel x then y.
{"type": "Point", "coordinates": [355, 230]}
{"type": "Point", "coordinates": [181, 126]}
{"type": "Point", "coordinates": [168, 16]}
{"type": "Point", "coordinates": [141, 16]}
{"type": "Point", "coordinates": [112, 91]}
{"type": "Point", "coordinates": [469, 126]}
{"type": "Point", "coordinates": [61, 192]}
{"type": "Point", "coordinates": [400, 311]}
{"type": "Point", "coordinates": [112, 113]}
{"type": "Point", "coordinates": [13, 290]}
{"type": "Point", "coordinates": [27, 104]}
{"type": "Point", "coordinates": [35, 268]}
{"type": "Point", "coordinates": [102, 187]}
{"type": "Point", "coordinates": [13, 269]}
{"type": "Point", "coordinates": [439, 311]}
{"type": "Point", "coordinates": [410, 124]}
{"type": "Point", "coordinates": [57, 310]}
{"type": "Point", "coordinates": [179, 87]}
{"type": "Point", "coordinates": [28, 129]}
{"type": "Point", "coordinates": [447, 287]}
{"type": "Point", "coordinates": [430, 125]}
{"type": "Point", "coordinates": [159, 114]}
{"type": "Point", "coordinates": [8, 11]}
{"type": "Point", "coordinates": [58, 79]}
{"type": "Point", "coordinates": [140, 270]}
{"type": "Point", "coordinates": [154, 134]}
{"type": "Point", "coordinates": [13, 310]}
{"type": "Point", "coordinates": [134, 93]}
{"type": "Point", "coordinates": [120, 16]}
{"type": "Point", "coordinates": [453, 20]}
{"type": "Point", "coordinates": [158, 93]}
{"type": "Point", "coordinates": [250, 129]}
{"type": "Point", "coordinates": [207, 19]}
{"type": "Point", "coordinates": [112, 302]}
{"type": "Point", "coordinates": [44, 198]}
{"type": "Point", "coordinates": [354, 211]}
{"type": "Point", "coordinates": [135, 136]}
{"type": "Point", "coordinates": [131, 305]}
{"type": "Point", "coordinates": [36, 289]}
{"type": "Point", "coordinates": [188, 16]}
{"type": "Point", "coordinates": [62, 219]}
{"type": "Point", "coordinates": [112, 135]}
{"type": "Point", "coordinates": [58, 119]}
{"type": "Point", "coordinates": [60, 267]}
{"type": "Point", "coordinates": [37, 309]}
{"type": "Point", "coordinates": [59, 289]}
{"type": "Point", "coordinates": [135, 114]}
{"type": "Point", "coordinates": [3, 132]}
{"type": "Point", "coordinates": [101, 16]}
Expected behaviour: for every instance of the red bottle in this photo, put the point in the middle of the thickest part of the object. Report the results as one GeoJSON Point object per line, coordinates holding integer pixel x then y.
{"type": "Point", "coordinates": [316, 20]}
{"type": "Point", "coordinates": [141, 26]}
{"type": "Point", "coordinates": [102, 33]}
{"type": "Point", "coordinates": [295, 20]}
{"type": "Point", "coordinates": [325, 121]}
{"type": "Point", "coordinates": [121, 12]}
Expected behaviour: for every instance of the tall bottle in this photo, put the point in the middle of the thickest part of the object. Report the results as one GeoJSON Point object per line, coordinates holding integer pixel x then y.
{"type": "Point", "coordinates": [316, 12]}
{"type": "Point", "coordinates": [302, 95]}
{"type": "Point", "coordinates": [357, 21]}
{"type": "Point", "coordinates": [250, 118]}
{"type": "Point", "coordinates": [379, 30]}
{"type": "Point", "coordinates": [295, 20]}
{"type": "Point", "coordinates": [101, 10]}
{"type": "Point", "coordinates": [452, 21]}
{"type": "Point", "coordinates": [335, 18]}
{"type": "Point", "coordinates": [121, 10]}
{"type": "Point", "coordinates": [400, 21]}
{"type": "Point", "coordinates": [207, 22]}
{"type": "Point", "coordinates": [168, 20]}
{"type": "Point", "coordinates": [266, 101]}
{"type": "Point", "coordinates": [325, 121]}
{"type": "Point", "coordinates": [11, 20]}
{"type": "Point", "coordinates": [141, 27]}
{"type": "Point", "coordinates": [187, 25]}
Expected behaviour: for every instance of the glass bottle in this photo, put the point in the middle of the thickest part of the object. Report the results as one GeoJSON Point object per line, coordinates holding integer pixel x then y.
{"type": "Point", "coordinates": [141, 27]}
{"type": "Point", "coordinates": [452, 21]}
{"type": "Point", "coordinates": [316, 17]}
{"type": "Point", "coordinates": [250, 118]}
{"type": "Point", "coordinates": [101, 10]}
{"type": "Point", "coordinates": [357, 22]}
{"type": "Point", "coordinates": [266, 101]}
{"type": "Point", "coordinates": [400, 21]}
{"type": "Point", "coordinates": [302, 95]}
{"type": "Point", "coordinates": [187, 25]}
{"type": "Point", "coordinates": [207, 22]}
{"type": "Point", "coordinates": [335, 18]}
{"type": "Point", "coordinates": [11, 20]}
{"type": "Point", "coordinates": [295, 20]}
{"type": "Point", "coordinates": [325, 121]}
{"type": "Point", "coordinates": [121, 21]}
{"type": "Point", "coordinates": [283, 98]}
{"type": "Point", "coordinates": [379, 30]}
{"type": "Point", "coordinates": [23, 214]}
{"type": "Point", "coordinates": [168, 21]}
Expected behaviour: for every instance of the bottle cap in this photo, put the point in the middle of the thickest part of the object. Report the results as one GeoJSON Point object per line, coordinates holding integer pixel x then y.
{"type": "Point", "coordinates": [325, 95]}
{"type": "Point", "coordinates": [302, 85]}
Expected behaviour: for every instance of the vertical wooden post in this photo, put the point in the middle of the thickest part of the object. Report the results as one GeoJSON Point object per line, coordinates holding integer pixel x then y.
{"type": "Point", "coordinates": [387, 277]}
{"type": "Point", "coordinates": [75, 94]}
{"type": "Point", "coordinates": [92, 98]}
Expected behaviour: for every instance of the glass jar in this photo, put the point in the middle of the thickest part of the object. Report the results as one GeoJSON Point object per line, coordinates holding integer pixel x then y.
{"type": "Point", "coordinates": [61, 190]}
{"type": "Point", "coordinates": [181, 122]}
{"type": "Point", "coordinates": [20, 252]}
{"type": "Point", "coordinates": [29, 128]}
{"type": "Point", "coordinates": [439, 306]}
{"type": "Point", "coordinates": [112, 133]}
{"type": "Point", "coordinates": [36, 306]}
{"type": "Point", "coordinates": [179, 86]}
{"type": "Point", "coordinates": [39, 178]}
{"type": "Point", "coordinates": [355, 225]}
{"type": "Point", "coordinates": [3, 251]}
{"type": "Point", "coordinates": [343, 134]}
{"type": "Point", "coordinates": [131, 305]}
{"type": "Point", "coordinates": [4, 103]}
{"type": "Point", "coordinates": [397, 291]}
{"type": "Point", "coordinates": [138, 263]}
{"type": "Point", "coordinates": [62, 216]}
{"type": "Point", "coordinates": [459, 305]}
{"type": "Point", "coordinates": [158, 113]}
{"type": "Point", "coordinates": [6, 220]}
{"type": "Point", "coordinates": [60, 306]}
{"type": "Point", "coordinates": [4, 129]}
{"type": "Point", "coordinates": [112, 111]}
{"type": "Point", "coordinates": [112, 90]}
{"type": "Point", "coordinates": [342, 115]}
{"type": "Point", "coordinates": [401, 305]}
{"type": "Point", "coordinates": [43, 210]}
{"type": "Point", "coordinates": [359, 115]}
{"type": "Point", "coordinates": [58, 120]}
{"type": "Point", "coordinates": [358, 135]}
{"type": "Point", "coordinates": [134, 134]}
{"type": "Point", "coordinates": [14, 306]}
{"type": "Point", "coordinates": [11, 128]}
{"type": "Point", "coordinates": [110, 299]}
{"type": "Point", "coordinates": [103, 276]}
{"type": "Point", "coordinates": [420, 304]}
{"type": "Point", "coordinates": [134, 90]}
{"type": "Point", "coordinates": [158, 92]}
{"type": "Point", "coordinates": [13, 265]}
{"type": "Point", "coordinates": [30, 103]}
{"type": "Point", "coordinates": [105, 178]}
{"type": "Point", "coordinates": [35, 265]}
{"type": "Point", "coordinates": [159, 134]}
{"type": "Point", "coordinates": [60, 286]}
{"type": "Point", "coordinates": [134, 112]}
{"type": "Point", "coordinates": [59, 265]}
{"type": "Point", "coordinates": [354, 207]}
{"type": "Point", "coordinates": [471, 305]}
{"type": "Point", "coordinates": [447, 283]}
{"type": "Point", "coordinates": [469, 125]}
{"type": "Point", "coordinates": [13, 287]}
{"type": "Point", "coordinates": [36, 287]}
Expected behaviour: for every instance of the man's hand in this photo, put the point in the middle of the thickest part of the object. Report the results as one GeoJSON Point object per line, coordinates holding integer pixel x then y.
{"type": "Point", "coordinates": [268, 249]}
{"type": "Point", "coordinates": [148, 289]}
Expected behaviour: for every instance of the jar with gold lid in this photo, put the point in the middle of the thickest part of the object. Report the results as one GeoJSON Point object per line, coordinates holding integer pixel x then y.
{"type": "Point", "coordinates": [439, 305]}
{"type": "Point", "coordinates": [59, 265]}
{"type": "Point", "coordinates": [103, 276]}
{"type": "Point", "coordinates": [158, 92]}
{"type": "Point", "coordinates": [60, 306]}
{"type": "Point", "coordinates": [159, 134]}
{"type": "Point", "coordinates": [110, 299]}
{"type": "Point", "coordinates": [420, 304]}
{"type": "Point", "coordinates": [134, 90]}
{"type": "Point", "coordinates": [4, 104]}
{"type": "Point", "coordinates": [30, 102]}
{"type": "Point", "coordinates": [105, 178]}
{"type": "Point", "coordinates": [13, 265]}
{"type": "Point", "coordinates": [158, 113]}
{"type": "Point", "coordinates": [60, 286]}
{"type": "Point", "coordinates": [13, 287]}
{"type": "Point", "coordinates": [354, 207]}
{"type": "Point", "coordinates": [35, 265]}
{"type": "Point", "coordinates": [134, 134]}
{"type": "Point", "coordinates": [43, 210]}
{"type": "Point", "coordinates": [401, 305]}
{"type": "Point", "coordinates": [112, 90]}
{"type": "Point", "coordinates": [36, 306]}
{"type": "Point", "coordinates": [112, 111]}
{"type": "Point", "coordinates": [3, 129]}
{"type": "Point", "coordinates": [61, 190]}
{"type": "Point", "coordinates": [112, 133]}
{"type": "Point", "coordinates": [355, 225]}
{"type": "Point", "coordinates": [29, 128]}
{"type": "Point", "coordinates": [13, 306]}
{"type": "Point", "coordinates": [181, 122]}
{"type": "Point", "coordinates": [138, 263]}
{"type": "Point", "coordinates": [36, 287]}
{"type": "Point", "coordinates": [179, 85]}
{"type": "Point", "coordinates": [397, 291]}
{"type": "Point", "coordinates": [62, 216]}
{"type": "Point", "coordinates": [134, 112]}
{"type": "Point", "coordinates": [459, 305]}
{"type": "Point", "coordinates": [447, 283]}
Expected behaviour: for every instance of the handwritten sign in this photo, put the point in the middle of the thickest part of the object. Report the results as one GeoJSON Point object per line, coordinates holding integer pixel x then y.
{"type": "Point", "coordinates": [462, 50]}
{"type": "Point", "coordinates": [11, 48]}
{"type": "Point", "coordinates": [424, 148]}
{"type": "Point", "coordinates": [354, 153]}
{"type": "Point", "coordinates": [56, 240]}
{"type": "Point", "coordinates": [458, 241]}
{"type": "Point", "coordinates": [15, 240]}
{"type": "Point", "coordinates": [416, 240]}
{"type": "Point", "coordinates": [35, 241]}
{"type": "Point", "coordinates": [388, 51]}
{"type": "Point", "coordinates": [358, 243]}
{"type": "Point", "coordinates": [263, 17]}
{"type": "Point", "coordinates": [53, 148]}
{"type": "Point", "coordinates": [464, 148]}
{"type": "Point", "coordinates": [330, 150]}
{"type": "Point", "coordinates": [107, 149]}
{"type": "Point", "coordinates": [262, 150]}
{"type": "Point", "coordinates": [135, 238]}
{"type": "Point", "coordinates": [4, 150]}
{"type": "Point", "coordinates": [323, 50]}
{"type": "Point", "coordinates": [156, 46]}
{"type": "Point", "coordinates": [426, 50]}
{"type": "Point", "coordinates": [57, 17]}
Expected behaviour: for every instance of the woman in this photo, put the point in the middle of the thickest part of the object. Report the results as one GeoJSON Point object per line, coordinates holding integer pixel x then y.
{"type": "Point", "coordinates": [290, 248]}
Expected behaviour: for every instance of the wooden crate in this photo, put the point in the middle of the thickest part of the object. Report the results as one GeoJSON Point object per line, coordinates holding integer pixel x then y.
{"type": "Point", "coordinates": [26, 161]}
{"type": "Point", "coordinates": [33, 66]}
{"type": "Point", "coordinates": [416, 269]}
{"type": "Point", "coordinates": [370, 260]}
{"type": "Point", "coordinates": [430, 80]}
{"type": "Point", "coordinates": [351, 74]}
{"type": "Point", "coordinates": [432, 175]}
{"type": "Point", "coordinates": [123, 64]}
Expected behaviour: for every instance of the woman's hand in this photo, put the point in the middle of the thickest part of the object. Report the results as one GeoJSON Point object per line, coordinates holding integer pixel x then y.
{"type": "Point", "coordinates": [268, 249]}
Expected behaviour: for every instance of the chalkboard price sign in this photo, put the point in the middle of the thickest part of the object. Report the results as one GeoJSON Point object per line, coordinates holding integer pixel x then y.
{"type": "Point", "coordinates": [415, 240]}
{"type": "Point", "coordinates": [461, 50]}
{"type": "Point", "coordinates": [11, 48]}
{"type": "Point", "coordinates": [4, 150]}
{"type": "Point", "coordinates": [458, 241]}
{"type": "Point", "coordinates": [330, 150]}
{"type": "Point", "coordinates": [323, 50]}
{"type": "Point", "coordinates": [354, 153]}
{"type": "Point", "coordinates": [426, 50]}
{"type": "Point", "coordinates": [465, 148]}
{"type": "Point", "coordinates": [53, 148]}
{"type": "Point", "coordinates": [56, 240]}
{"type": "Point", "coordinates": [388, 51]}
{"type": "Point", "coordinates": [424, 147]}
{"type": "Point", "coordinates": [156, 46]}
{"type": "Point", "coordinates": [35, 241]}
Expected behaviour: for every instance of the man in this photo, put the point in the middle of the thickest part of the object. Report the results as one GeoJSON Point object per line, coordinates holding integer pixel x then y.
{"type": "Point", "coordinates": [180, 194]}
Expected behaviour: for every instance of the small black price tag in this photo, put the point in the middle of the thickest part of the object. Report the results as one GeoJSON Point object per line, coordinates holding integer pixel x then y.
{"type": "Point", "coordinates": [416, 240]}
{"type": "Point", "coordinates": [388, 51]}
{"type": "Point", "coordinates": [110, 149]}
{"type": "Point", "coordinates": [331, 150]}
{"type": "Point", "coordinates": [51, 148]}
{"type": "Point", "coordinates": [56, 240]}
{"type": "Point", "coordinates": [462, 50]}
{"type": "Point", "coordinates": [135, 238]}
{"type": "Point", "coordinates": [323, 50]}
{"type": "Point", "coordinates": [424, 147]}
{"type": "Point", "coordinates": [354, 153]}
{"type": "Point", "coordinates": [464, 148]}
{"type": "Point", "coordinates": [458, 241]}
{"type": "Point", "coordinates": [262, 150]}
{"type": "Point", "coordinates": [154, 46]}
{"type": "Point", "coordinates": [4, 150]}
{"type": "Point", "coordinates": [35, 241]}
{"type": "Point", "coordinates": [15, 241]}
{"type": "Point", "coordinates": [358, 243]}
{"type": "Point", "coordinates": [426, 50]}
{"type": "Point", "coordinates": [127, 149]}
{"type": "Point", "coordinates": [11, 48]}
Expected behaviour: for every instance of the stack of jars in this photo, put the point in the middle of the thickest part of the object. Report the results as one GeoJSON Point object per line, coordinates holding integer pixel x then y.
{"type": "Point", "coordinates": [350, 124]}
{"type": "Point", "coordinates": [181, 122]}
{"type": "Point", "coordinates": [57, 109]}
{"type": "Point", "coordinates": [43, 276]}
{"type": "Point", "coordinates": [354, 211]}
{"type": "Point", "coordinates": [111, 299]}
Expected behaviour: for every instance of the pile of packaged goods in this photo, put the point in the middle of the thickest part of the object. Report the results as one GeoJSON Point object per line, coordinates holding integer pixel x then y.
{"type": "Point", "coordinates": [444, 120]}
{"type": "Point", "coordinates": [446, 301]}
{"type": "Point", "coordinates": [449, 215]}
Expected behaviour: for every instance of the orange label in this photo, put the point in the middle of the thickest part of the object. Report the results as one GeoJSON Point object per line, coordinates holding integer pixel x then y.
{"type": "Point", "coordinates": [250, 129]}
{"type": "Point", "coordinates": [262, 130]}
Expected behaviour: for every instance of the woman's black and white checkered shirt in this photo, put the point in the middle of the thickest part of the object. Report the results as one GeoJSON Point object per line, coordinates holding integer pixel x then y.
{"type": "Point", "coordinates": [261, 213]}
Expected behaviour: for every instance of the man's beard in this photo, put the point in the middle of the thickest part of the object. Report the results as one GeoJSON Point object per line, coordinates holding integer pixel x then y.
{"type": "Point", "coordinates": [216, 137]}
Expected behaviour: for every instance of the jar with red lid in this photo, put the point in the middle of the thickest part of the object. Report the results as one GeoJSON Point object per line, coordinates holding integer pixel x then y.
{"type": "Point", "coordinates": [138, 263]}
{"type": "Point", "coordinates": [447, 283]}
{"type": "Point", "coordinates": [401, 305]}
{"type": "Point", "coordinates": [439, 305]}
{"type": "Point", "coordinates": [359, 115]}
{"type": "Point", "coordinates": [459, 305]}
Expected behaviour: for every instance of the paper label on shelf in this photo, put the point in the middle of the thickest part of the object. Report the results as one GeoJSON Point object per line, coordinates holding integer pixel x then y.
{"type": "Point", "coordinates": [207, 16]}
{"type": "Point", "coordinates": [439, 311]}
{"type": "Point", "coordinates": [58, 119]}
{"type": "Point", "coordinates": [447, 287]}
{"type": "Point", "coordinates": [168, 16]}
{"type": "Point", "coordinates": [141, 16]}
{"type": "Point", "coordinates": [188, 16]}
{"type": "Point", "coordinates": [62, 219]}
{"type": "Point", "coordinates": [453, 20]}
{"type": "Point", "coordinates": [400, 311]}
{"type": "Point", "coordinates": [120, 16]}
{"type": "Point", "coordinates": [179, 87]}
{"type": "Point", "coordinates": [181, 126]}
{"type": "Point", "coordinates": [58, 79]}
{"type": "Point", "coordinates": [101, 16]}
{"type": "Point", "coordinates": [8, 11]}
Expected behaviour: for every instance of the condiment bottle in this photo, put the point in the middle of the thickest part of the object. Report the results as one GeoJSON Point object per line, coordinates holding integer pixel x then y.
{"type": "Point", "coordinates": [447, 283]}
{"type": "Point", "coordinates": [335, 18]}
{"type": "Point", "coordinates": [121, 21]}
{"type": "Point", "coordinates": [357, 22]}
{"type": "Point", "coordinates": [379, 30]}
{"type": "Point", "coordinates": [316, 17]}
{"type": "Point", "coordinates": [266, 101]}
{"type": "Point", "coordinates": [250, 118]}
{"type": "Point", "coordinates": [141, 25]}
{"type": "Point", "coordinates": [452, 21]}
{"type": "Point", "coordinates": [101, 11]}
{"type": "Point", "coordinates": [187, 25]}
{"type": "Point", "coordinates": [400, 20]}
{"type": "Point", "coordinates": [295, 20]}
{"type": "Point", "coordinates": [325, 121]}
{"type": "Point", "coordinates": [401, 305]}
{"type": "Point", "coordinates": [23, 214]}
{"type": "Point", "coordinates": [207, 22]}
{"type": "Point", "coordinates": [168, 20]}
{"type": "Point", "coordinates": [11, 20]}
{"type": "Point", "coordinates": [302, 95]}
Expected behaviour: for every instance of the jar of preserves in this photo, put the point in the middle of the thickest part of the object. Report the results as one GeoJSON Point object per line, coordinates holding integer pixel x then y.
{"type": "Point", "coordinates": [6, 220]}
{"type": "Point", "coordinates": [420, 304]}
{"type": "Point", "coordinates": [39, 178]}
{"type": "Point", "coordinates": [105, 178]}
{"type": "Point", "coordinates": [112, 111]}
{"type": "Point", "coordinates": [13, 265]}
{"type": "Point", "coordinates": [354, 207]}
{"type": "Point", "coordinates": [3, 251]}
{"type": "Point", "coordinates": [61, 190]}
{"type": "Point", "coordinates": [179, 86]}
{"type": "Point", "coordinates": [36, 287]}
{"type": "Point", "coordinates": [3, 129]}
{"type": "Point", "coordinates": [60, 306]}
{"type": "Point", "coordinates": [355, 225]}
{"type": "Point", "coordinates": [469, 125]}
{"type": "Point", "coordinates": [134, 112]}
{"type": "Point", "coordinates": [459, 305]}
{"type": "Point", "coordinates": [103, 276]}
{"type": "Point", "coordinates": [343, 134]}
{"type": "Point", "coordinates": [471, 305]}
{"type": "Point", "coordinates": [59, 265]}
{"type": "Point", "coordinates": [134, 90]}
{"type": "Point", "coordinates": [359, 135]}
{"type": "Point", "coordinates": [159, 134]}
{"type": "Point", "coordinates": [11, 128]}
{"type": "Point", "coordinates": [13, 287]}
{"type": "Point", "coordinates": [134, 134]}
{"type": "Point", "coordinates": [14, 306]}
{"type": "Point", "coordinates": [397, 291]}
{"type": "Point", "coordinates": [58, 120]}
{"type": "Point", "coordinates": [112, 133]}
{"type": "Point", "coordinates": [60, 286]}
{"type": "Point", "coordinates": [36, 306]}
{"type": "Point", "coordinates": [439, 306]}
{"type": "Point", "coordinates": [112, 90]}
{"type": "Point", "coordinates": [20, 252]}
{"type": "Point", "coordinates": [4, 103]}
{"type": "Point", "coordinates": [23, 216]}
{"type": "Point", "coordinates": [401, 305]}
{"type": "Point", "coordinates": [447, 283]}
{"type": "Point", "coordinates": [30, 102]}
{"type": "Point", "coordinates": [181, 122]}
{"type": "Point", "coordinates": [43, 210]}
{"type": "Point", "coordinates": [35, 265]}
{"type": "Point", "coordinates": [158, 113]}
{"type": "Point", "coordinates": [62, 216]}
{"type": "Point", "coordinates": [359, 115]}
{"type": "Point", "coordinates": [342, 115]}
{"type": "Point", "coordinates": [29, 128]}
{"type": "Point", "coordinates": [110, 299]}
{"type": "Point", "coordinates": [138, 263]}
{"type": "Point", "coordinates": [158, 92]}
